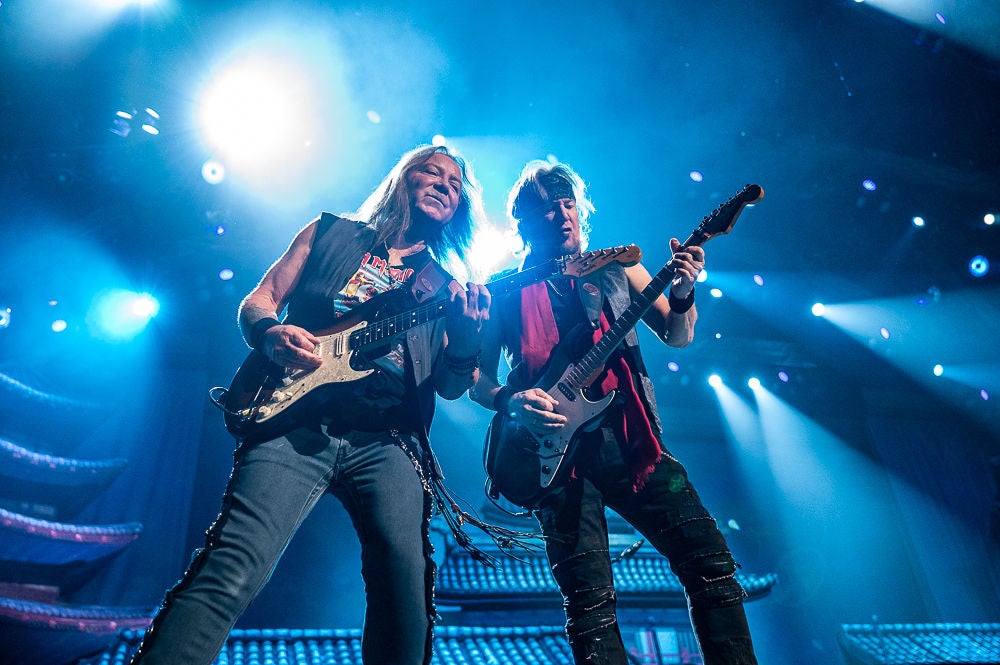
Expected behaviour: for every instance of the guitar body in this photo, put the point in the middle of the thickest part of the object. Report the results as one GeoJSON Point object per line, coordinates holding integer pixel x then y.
{"type": "Point", "coordinates": [265, 400]}
{"type": "Point", "coordinates": [526, 469]}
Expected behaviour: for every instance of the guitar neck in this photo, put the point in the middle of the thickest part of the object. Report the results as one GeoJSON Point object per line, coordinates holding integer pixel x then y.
{"type": "Point", "coordinates": [720, 222]}
{"type": "Point", "coordinates": [595, 358]}
{"type": "Point", "coordinates": [390, 326]}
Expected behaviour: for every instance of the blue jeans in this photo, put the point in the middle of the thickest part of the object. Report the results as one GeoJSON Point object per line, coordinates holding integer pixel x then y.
{"type": "Point", "coordinates": [670, 515]}
{"type": "Point", "coordinates": [273, 487]}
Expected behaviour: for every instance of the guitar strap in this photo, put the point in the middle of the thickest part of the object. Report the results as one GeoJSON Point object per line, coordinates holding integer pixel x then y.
{"type": "Point", "coordinates": [429, 281]}
{"type": "Point", "coordinates": [592, 297]}
{"type": "Point", "coordinates": [642, 446]}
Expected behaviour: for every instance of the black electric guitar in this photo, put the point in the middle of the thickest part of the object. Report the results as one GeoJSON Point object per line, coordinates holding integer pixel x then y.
{"type": "Point", "coordinates": [266, 400]}
{"type": "Point", "coordinates": [525, 468]}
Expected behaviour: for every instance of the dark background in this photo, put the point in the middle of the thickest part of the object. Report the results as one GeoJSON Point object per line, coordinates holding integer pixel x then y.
{"type": "Point", "coordinates": [864, 482]}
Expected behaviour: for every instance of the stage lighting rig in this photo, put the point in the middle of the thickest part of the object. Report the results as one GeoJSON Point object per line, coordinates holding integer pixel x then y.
{"type": "Point", "coordinates": [125, 123]}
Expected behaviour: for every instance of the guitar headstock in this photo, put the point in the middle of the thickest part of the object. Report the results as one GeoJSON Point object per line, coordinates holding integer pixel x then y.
{"type": "Point", "coordinates": [723, 218]}
{"type": "Point", "coordinates": [579, 265]}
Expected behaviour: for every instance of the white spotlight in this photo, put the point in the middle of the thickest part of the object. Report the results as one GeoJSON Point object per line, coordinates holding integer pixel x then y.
{"type": "Point", "coordinates": [256, 112]}
{"type": "Point", "coordinates": [715, 381]}
{"type": "Point", "coordinates": [938, 370]}
{"type": "Point", "coordinates": [919, 222]}
{"type": "Point", "coordinates": [4, 317]}
{"type": "Point", "coordinates": [818, 309]}
{"type": "Point", "coordinates": [753, 383]}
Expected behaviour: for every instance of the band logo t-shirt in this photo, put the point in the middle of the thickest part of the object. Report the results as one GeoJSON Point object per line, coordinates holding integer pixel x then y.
{"type": "Point", "coordinates": [381, 395]}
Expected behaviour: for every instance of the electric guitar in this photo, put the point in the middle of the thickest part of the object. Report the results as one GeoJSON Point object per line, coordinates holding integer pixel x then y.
{"type": "Point", "coordinates": [266, 400]}
{"type": "Point", "coordinates": [526, 468]}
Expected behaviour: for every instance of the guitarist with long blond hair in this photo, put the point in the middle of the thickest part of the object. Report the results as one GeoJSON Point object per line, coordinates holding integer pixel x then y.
{"type": "Point", "coordinates": [619, 459]}
{"type": "Point", "coordinates": [370, 447]}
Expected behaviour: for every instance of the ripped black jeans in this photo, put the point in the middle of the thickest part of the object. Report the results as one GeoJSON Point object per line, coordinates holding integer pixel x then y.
{"type": "Point", "coordinates": [669, 514]}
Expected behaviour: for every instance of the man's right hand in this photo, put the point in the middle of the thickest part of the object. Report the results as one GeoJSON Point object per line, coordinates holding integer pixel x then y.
{"type": "Point", "coordinates": [292, 347]}
{"type": "Point", "coordinates": [535, 409]}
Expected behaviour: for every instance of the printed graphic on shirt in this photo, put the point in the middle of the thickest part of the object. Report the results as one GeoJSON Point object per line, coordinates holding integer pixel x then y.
{"type": "Point", "coordinates": [375, 276]}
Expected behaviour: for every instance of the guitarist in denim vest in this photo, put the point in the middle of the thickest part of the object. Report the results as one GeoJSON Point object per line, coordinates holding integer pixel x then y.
{"type": "Point", "coordinates": [368, 448]}
{"type": "Point", "coordinates": [621, 463]}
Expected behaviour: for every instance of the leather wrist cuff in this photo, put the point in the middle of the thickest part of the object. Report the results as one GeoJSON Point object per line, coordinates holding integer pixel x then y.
{"type": "Point", "coordinates": [680, 305]}
{"type": "Point", "coordinates": [502, 399]}
{"type": "Point", "coordinates": [258, 329]}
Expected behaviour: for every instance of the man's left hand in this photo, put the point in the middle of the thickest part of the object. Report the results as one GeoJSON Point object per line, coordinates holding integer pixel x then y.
{"type": "Point", "coordinates": [687, 263]}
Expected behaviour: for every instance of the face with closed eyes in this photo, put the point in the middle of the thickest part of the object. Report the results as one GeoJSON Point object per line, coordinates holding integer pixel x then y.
{"type": "Point", "coordinates": [554, 229]}
{"type": "Point", "coordinates": [435, 190]}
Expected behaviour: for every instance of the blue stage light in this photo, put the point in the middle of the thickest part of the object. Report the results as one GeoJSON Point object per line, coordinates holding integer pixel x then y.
{"type": "Point", "coordinates": [119, 315]}
{"type": "Point", "coordinates": [979, 266]}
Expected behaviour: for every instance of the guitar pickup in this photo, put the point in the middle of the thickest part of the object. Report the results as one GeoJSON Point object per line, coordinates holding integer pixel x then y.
{"type": "Point", "coordinates": [279, 396]}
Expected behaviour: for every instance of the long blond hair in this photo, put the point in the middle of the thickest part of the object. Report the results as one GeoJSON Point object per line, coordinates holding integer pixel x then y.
{"type": "Point", "coordinates": [387, 208]}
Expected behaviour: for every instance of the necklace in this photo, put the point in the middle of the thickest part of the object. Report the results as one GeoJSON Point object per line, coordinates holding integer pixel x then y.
{"type": "Point", "coordinates": [402, 253]}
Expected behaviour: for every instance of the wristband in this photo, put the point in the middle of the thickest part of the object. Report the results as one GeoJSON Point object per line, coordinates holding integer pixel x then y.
{"type": "Point", "coordinates": [502, 399]}
{"type": "Point", "coordinates": [680, 305]}
{"type": "Point", "coordinates": [258, 329]}
{"type": "Point", "coordinates": [461, 365]}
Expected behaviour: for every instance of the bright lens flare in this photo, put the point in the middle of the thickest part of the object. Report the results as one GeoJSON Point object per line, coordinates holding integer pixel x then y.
{"type": "Point", "coordinates": [256, 111]}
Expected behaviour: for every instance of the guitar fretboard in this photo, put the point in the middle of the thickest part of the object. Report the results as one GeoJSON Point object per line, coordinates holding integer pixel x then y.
{"type": "Point", "coordinates": [390, 326]}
